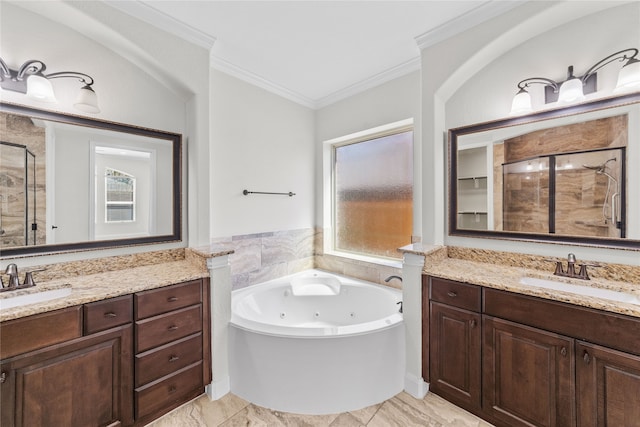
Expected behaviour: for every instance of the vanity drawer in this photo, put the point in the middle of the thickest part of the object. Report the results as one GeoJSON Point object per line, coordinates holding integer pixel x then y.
{"type": "Point", "coordinates": [456, 294]}
{"type": "Point", "coordinates": [165, 328]}
{"type": "Point", "coordinates": [162, 300]}
{"type": "Point", "coordinates": [33, 332]}
{"type": "Point", "coordinates": [102, 315]}
{"type": "Point", "coordinates": [172, 389]}
{"type": "Point", "coordinates": [164, 360]}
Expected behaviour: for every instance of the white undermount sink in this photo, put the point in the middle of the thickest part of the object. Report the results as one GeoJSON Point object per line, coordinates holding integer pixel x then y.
{"type": "Point", "coordinates": [34, 297]}
{"type": "Point", "coordinates": [581, 290]}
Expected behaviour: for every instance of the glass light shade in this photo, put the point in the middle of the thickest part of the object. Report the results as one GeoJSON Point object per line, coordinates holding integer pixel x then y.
{"type": "Point", "coordinates": [40, 89]}
{"type": "Point", "coordinates": [521, 103]}
{"type": "Point", "coordinates": [571, 91]}
{"type": "Point", "coordinates": [87, 100]}
{"type": "Point", "coordinates": [629, 76]}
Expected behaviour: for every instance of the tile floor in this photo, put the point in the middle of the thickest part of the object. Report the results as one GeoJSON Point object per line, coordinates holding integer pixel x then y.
{"type": "Point", "coordinates": [402, 410]}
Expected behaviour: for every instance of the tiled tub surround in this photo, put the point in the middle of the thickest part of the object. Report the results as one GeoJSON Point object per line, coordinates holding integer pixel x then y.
{"type": "Point", "coordinates": [503, 270]}
{"type": "Point", "coordinates": [261, 257]}
{"type": "Point", "coordinates": [99, 279]}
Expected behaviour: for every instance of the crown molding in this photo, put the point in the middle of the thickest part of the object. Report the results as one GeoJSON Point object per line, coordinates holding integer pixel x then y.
{"type": "Point", "coordinates": [480, 14]}
{"type": "Point", "coordinates": [403, 69]}
{"type": "Point", "coordinates": [251, 78]}
{"type": "Point", "coordinates": [161, 20]}
{"type": "Point", "coordinates": [368, 83]}
{"type": "Point", "coordinates": [148, 14]}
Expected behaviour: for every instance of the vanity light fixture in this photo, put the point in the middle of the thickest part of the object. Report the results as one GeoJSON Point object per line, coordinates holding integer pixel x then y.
{"type": "Point", "coordinates": [31, 80]}
{"type": "Point", "coordinates": [574, 88]}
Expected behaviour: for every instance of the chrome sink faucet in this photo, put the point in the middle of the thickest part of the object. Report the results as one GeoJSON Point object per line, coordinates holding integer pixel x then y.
{"type": "Point", "coordinates": [12, 272]}
{"type": "Point", "coordinates": [571, 268]}
{"type": "Point", "coordinates": [14, 279]}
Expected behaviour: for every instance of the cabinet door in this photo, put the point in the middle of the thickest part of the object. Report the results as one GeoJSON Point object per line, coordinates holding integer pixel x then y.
{"type": "Point", "coordinates": [608, 387]}
{"type": "Point", "coordinates": [455, 355]}
{"type": "Point", "coordinates": [528, 375]}
{"type": "Point", "coordinates": [84, 382]}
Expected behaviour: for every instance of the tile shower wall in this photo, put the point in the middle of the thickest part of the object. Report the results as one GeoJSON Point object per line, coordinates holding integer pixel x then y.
{"type": "Point", "coordinates": [266, 256]}
{"type": "Point", "coordinates": [20, 130]}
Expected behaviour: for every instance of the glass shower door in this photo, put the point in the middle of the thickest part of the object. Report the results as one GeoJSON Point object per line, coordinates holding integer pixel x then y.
{"type": "Point", "coordinates": [526, 196]}
{"type": "Point", "coordinates": [17, 196]}
{"type": "Point", "coordinates": [589, 193]}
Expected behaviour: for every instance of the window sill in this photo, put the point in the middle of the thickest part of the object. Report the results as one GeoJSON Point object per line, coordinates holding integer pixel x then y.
{"type": "Point", "coordinates": [386, 262]}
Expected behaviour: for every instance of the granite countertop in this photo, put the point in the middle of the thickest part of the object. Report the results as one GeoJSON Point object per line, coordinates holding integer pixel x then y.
{"type": "Point", "coordinates": [507, 278]}
{"type": "Point", "coordinates": [104, 285]}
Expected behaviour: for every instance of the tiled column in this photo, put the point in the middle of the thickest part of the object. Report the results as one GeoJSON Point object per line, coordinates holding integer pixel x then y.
{"type": "Point", "coordinates": [412, 308]}
{"type": "Point", "coordinates": [220, 274]}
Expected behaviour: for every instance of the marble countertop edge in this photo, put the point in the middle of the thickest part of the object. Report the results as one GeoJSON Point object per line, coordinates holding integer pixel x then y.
{"type": "Point", "coordinates": [101, 286]}
{"type": "Point", "coordinates": [508, 279]}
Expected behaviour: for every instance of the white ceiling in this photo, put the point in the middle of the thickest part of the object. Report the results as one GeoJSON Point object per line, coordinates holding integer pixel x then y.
{"type": "Point", "coordinates": [314, 52]}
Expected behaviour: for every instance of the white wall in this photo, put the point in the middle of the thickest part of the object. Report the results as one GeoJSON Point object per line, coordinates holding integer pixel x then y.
{"type": "Point", "coordinates": [475, 80]}
{"type": "Point", "coordinates": [143, 76]}
{"type": "Point", "coordinates": [396, 100]}
{"type": "Point", "coordinates": [259, 142]}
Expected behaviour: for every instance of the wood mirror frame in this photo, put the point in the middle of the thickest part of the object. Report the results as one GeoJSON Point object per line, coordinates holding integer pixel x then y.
{"type": "Point", "coordinates": [175, 141]}
{"type": "Point", "coordinates": [454, 135]}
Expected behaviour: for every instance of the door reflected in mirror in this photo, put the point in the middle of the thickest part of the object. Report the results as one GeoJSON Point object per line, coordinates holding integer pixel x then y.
{"type": "Point", "coordinates": [561, 175]}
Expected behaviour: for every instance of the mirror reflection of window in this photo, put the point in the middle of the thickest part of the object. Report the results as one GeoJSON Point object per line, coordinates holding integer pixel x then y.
{"type": "Point", "coordinates": [120, 189]}
{"type": "Point", "coordinates": [123, 201]}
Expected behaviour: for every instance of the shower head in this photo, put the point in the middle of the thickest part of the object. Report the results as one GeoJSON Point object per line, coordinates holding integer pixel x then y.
{"type": "Point", "coordinates": [599, 168]}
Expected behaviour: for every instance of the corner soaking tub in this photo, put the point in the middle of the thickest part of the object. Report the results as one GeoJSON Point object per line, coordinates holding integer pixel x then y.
{"type": "Point", "coordinates": [316, 343]}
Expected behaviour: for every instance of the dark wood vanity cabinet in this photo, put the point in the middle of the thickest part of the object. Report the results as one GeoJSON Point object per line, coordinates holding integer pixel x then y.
{"type": "Point", "coordinates": [542, 363]}
{"type": "Point", "coordinates": [75, 366]}
{"type": "Point", "coordinates": [455, 331]}
{"type": "Point", "coordinates": [608, 386]}
{"type": "Point", "coordinates": [83, 381]}
{"type": "Point", "coordinates": [171, 347]}
{"type": "Point", "coordinates": [527, 375]}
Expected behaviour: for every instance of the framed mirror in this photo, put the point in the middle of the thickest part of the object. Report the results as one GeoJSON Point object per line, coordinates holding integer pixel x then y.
{"type": "Point", "coordinates": [567, 175]}
{"type": "Point", "coordinates": [70, 183]}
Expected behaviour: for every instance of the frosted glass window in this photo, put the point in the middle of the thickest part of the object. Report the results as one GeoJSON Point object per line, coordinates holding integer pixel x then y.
{"type": "Point", "coordinates": [120, 196]}
{"type": "Point", "coordinates": [373, 184]}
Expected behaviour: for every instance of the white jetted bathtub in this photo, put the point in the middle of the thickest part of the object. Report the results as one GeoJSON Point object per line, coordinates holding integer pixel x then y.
{"type": "Point", "coordinates": [316, 343]}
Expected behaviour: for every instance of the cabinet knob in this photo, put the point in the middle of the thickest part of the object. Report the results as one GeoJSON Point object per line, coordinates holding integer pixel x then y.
{"type": "Point", "coordinates": [172, 389]}
{"type": "Point", "coordinates": [473, 323]}
{"type": "Point", "coordinates": [3, 377]}
{"type": "Point", "coordinates": [563, 351]}
{"type": "Point", "coordinates": [452, 294]}
{"type": "Point", "coordinates": [586, 357]}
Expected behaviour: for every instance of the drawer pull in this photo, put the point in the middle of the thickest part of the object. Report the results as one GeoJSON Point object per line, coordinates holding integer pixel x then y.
{"type": "Point", "coordinates": [172, 389]}
{"type": "Point", "coordinates": [172, 328]}
{"type": "Point", "coordinates": [3, 377]}
{"type": "Point", "coordinates": [172, 299]}
{"type": "Point", "coordinates": [110, 314]}
{"type": "Point", "coordinates": [173, 358]}
{"type": "Point", "coordinates": [586, 358]}
{"type": "Point", "coordinates": [452, 294]}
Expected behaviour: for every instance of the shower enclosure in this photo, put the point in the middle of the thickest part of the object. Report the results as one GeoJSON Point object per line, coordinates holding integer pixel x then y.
{"type": "Point", "coordinates": [577, 193]}
{"type": "Point", "coordinates": [18, 225]}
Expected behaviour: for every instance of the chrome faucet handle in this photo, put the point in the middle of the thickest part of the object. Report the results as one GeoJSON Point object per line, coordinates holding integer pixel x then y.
{"type": "Point", "coordinates": [28, 278]}
{"type": "Point", "coordinates": [559, 271]}
{"type": "Point", "coordinates": [582, 274]}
